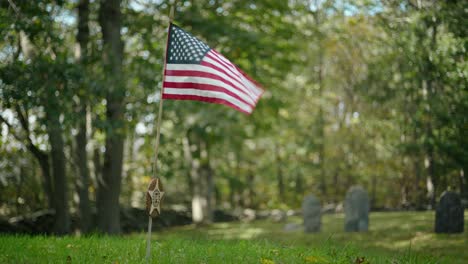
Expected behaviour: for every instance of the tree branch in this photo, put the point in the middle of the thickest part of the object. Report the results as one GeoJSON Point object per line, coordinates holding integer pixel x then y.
{"type": "Point", "coordinates": [15, 8]}
{"type": "Point", "coordinates": [28, 144]}
{"type": "Point", "coordinates": [10, 127]}
{"type": "Point", "coordinates": [22, 119]}
{"type": "Point", "coordinates": [18, 50]}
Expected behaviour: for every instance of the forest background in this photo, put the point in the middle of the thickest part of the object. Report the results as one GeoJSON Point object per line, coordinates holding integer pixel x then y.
{"type": "Point", "coordinates": [362, 92]}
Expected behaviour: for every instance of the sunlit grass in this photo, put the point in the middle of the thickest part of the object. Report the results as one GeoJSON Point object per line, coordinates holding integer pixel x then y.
{"type": "Point", "coordinates": [390, 235]}
{"type": "Point", "coordinates": [392, 238]}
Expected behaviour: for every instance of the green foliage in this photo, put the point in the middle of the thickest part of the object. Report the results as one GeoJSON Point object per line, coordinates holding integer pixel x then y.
{"type": "Point", "coordinates": [391, 97]}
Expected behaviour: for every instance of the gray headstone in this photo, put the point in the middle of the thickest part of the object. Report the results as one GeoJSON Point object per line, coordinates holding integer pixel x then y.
{"type": "Point", "coordinates": [449, 214]}
{"type": "Point", "coordinates": [311, 211]}
{"type": "Point", "coordinates": [356, 208]}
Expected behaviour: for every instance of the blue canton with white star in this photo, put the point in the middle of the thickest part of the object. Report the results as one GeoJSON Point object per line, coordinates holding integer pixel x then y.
{"type": "Point", "coordinates": [183, 48]}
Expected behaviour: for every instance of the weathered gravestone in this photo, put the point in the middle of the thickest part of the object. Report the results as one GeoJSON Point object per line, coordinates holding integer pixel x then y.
{"type": "Point", "coordinates": [449, 214]}
{"type": "Point", "coordinates": [311, 211]}
{"type": "Point", "coordinates": [356, 208]}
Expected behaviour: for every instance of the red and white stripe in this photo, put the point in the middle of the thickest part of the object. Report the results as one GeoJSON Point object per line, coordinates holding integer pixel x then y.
{"type": "Point", "coordinates": [214, 80]}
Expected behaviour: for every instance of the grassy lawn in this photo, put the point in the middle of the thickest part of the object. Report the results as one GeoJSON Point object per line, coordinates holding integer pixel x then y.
{"type": "Point", "coordinates": [393, 238]}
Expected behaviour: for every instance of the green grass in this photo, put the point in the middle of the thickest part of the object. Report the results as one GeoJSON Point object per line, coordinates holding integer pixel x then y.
{"type": "Point", "coordinates": [393, 238]}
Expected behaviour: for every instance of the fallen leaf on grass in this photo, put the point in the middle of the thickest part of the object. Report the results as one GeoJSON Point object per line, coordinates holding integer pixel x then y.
{"type": "Point", "coordinates": [315, 259]}
{"type": "Point", "coordinates": [360, 260]}
{"type": "Point", "coordinates": [267, 261]}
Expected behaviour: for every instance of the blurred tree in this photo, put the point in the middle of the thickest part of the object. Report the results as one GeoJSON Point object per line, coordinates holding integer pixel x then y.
{"type": "Point", "coordinates": [82, 54]}
{"type": "Point", "coordinates": [357, 92]}
{"type": "Point", "coordinates": [35, 84]}
{"type": "Point", "coordinates": [110, 20]}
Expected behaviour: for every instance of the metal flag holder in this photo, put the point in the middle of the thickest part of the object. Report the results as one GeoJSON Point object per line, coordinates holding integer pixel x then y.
{"type": "Point", "coordinates": [155, 190]}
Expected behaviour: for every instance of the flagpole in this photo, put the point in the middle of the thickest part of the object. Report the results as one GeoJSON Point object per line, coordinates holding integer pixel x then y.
{"type": "Point", "coordinates": [158, 133]}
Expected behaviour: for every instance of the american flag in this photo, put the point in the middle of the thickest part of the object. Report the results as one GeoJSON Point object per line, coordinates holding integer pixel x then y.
{"type": "Point", "coordinates": [194, 71]}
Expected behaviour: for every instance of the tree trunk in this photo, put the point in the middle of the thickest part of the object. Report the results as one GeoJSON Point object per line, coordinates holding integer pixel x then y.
{"type": "Point", "coordinates": [463, 184]}
{"type": "Point", "coordinates": [83, 181]}
{"type": "Point", "coordinates": [279, 174]}
{"type": "Point", "coordinates": [44, 164]}
{"type": "Point", "coordinates": [97, 163]}
{"type": "Point", "coordinates": [188, 162]}
{"type": "Point", "coordinates": [430, 151]}
{"type": "Point", "coordinates": [41, 156]}
{"type": "Point", "coordinates": [81, 140]}
{"type": "Point", "coordinates": [202, 183]}
{"type": "Point", "coordinates": [320, 117]}
{"type": "Point", "coordinates": [234, 189]}
{"type": "Point", "coordinates": [250, 199]}
{"type": "Point", "coordinates": [19, 187]}
{"type": "Point", "coordinates": [207, 173]}
{"type": "Point", "coordinates": [299, 183]}
{"type": "Point", "coordinates": [198, 201]}
{"type": "Point", "coordinates": [109, 187]}
{"type": "Point", "coordinates": [54, 130]}
{"type": "Point", "coordinates": [336, 185]}
{"type": "Point", "coordinates": [128, 175]}
{"type": "Point", "coordinates": [418, 192]}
